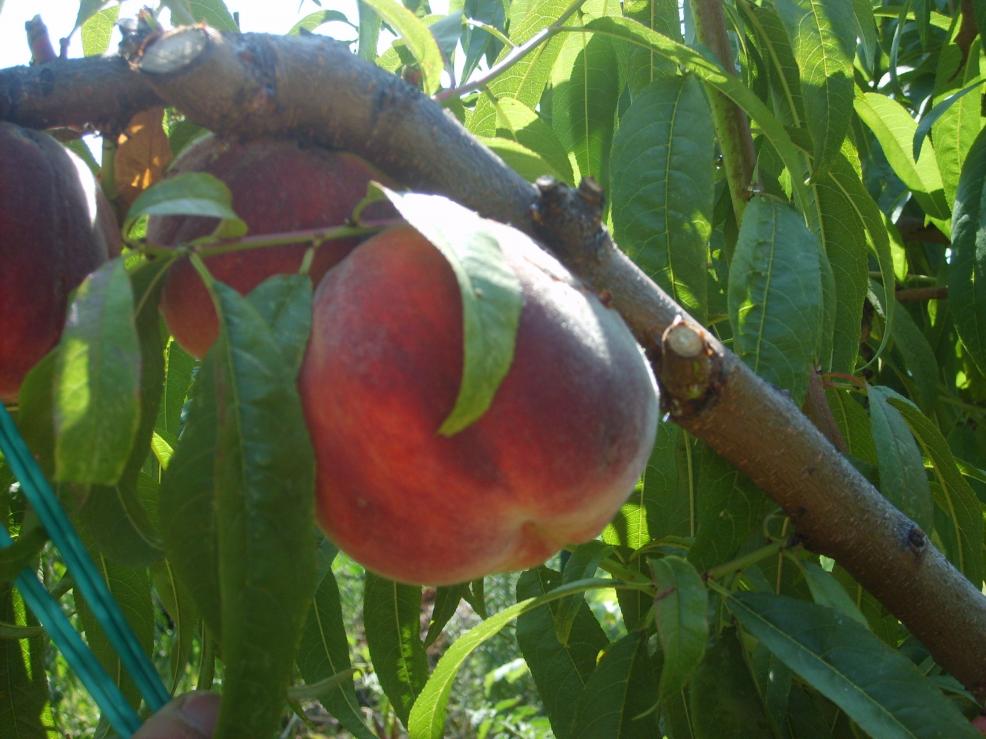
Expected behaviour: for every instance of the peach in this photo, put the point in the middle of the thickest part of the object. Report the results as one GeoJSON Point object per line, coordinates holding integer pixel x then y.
{"type": "Point", "coordinates": [277, 186]}
{"type": "Point", "coordinates": [56, 228]}
{"type": "Point", "coordinates": [565, 439]}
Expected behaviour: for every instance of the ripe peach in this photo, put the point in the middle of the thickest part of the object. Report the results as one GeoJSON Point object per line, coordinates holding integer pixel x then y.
{"type": "Point", "coordinates": [56, 228]}
{"type": "Point", "coordinates": [277, 186]}
{"type": "Point", "coordinates": [566, 437]}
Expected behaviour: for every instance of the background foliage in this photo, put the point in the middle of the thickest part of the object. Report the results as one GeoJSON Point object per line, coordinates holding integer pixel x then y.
{"type": "Point", "coordinates": [854, 266]}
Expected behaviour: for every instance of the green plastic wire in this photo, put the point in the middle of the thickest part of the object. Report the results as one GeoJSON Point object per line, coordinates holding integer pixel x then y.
{"type": "Point", "coordinates": [101, 687]}
{"type": "Point", "coordinates": [78, 562]}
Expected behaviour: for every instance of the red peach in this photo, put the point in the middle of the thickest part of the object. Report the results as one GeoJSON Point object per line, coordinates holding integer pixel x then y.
{"type": "Point", "coordinates": [277, 186]}
{"type": "Point", "coordinates": [561, 446]}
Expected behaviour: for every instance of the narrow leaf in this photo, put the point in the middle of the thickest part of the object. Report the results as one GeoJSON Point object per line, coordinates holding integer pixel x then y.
{"type": "Point", "coordinates": [428, 714]}
{"type": "Point", "coordinates": [967, 268]}
{"type": "Point", "coordinates": [324, 652]}
{"type": "Point", "coordinates": [827, 591]}
{"type": "Point", "coordinates": [680, 609]}
{"type": "Point", "coordinates": [877, 686]}
{"type": "Point", "coordinates": [823, 38]}
{"type": "Point", "coordinates": [618, 699]}
{"type": "Point", "coordinates": [392, 619]}
{"type": "Point", "coordinates": [902, 478]}
{"type": "Point", "coordinates": [97, 380]}
{"type": "Point", "coordinates": [722, 697]}
{"type": "Point", "coordinates": [25, 712]}
{"type": "Point", "coordinates": [516, 121]}
{"type": "Point", "coordinates": [662, 187]}
{"type": "Point", "coordinates": [491, 294]}
{"type": "Point", "coordinates": [894, 129]}
{"type": "Point", "coordinates": [957, 499]}
{"type": "Point", "coordinates": [560, 670]}
{"type": "Point", "coordinates": [775, 294]}
{"type": "Point", "coordinates": [447, 599]}
{"type": "Point", "coordinates": [191, 194]}
{"type": "Point", "coordinates": [264, 485]}
{"type": "Point", "coordinates": [584, 92]}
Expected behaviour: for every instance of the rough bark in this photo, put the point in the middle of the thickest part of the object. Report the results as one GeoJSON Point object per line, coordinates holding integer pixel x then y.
{"type": "Point", "coordinates": [314, 88]}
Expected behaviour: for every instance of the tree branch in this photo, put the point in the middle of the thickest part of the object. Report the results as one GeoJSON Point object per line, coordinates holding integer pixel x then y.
{"type": "Point", "coordinates": [314, 88]}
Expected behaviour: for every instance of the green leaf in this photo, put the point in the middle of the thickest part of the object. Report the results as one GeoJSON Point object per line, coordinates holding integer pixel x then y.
{"type": "Point", "coordinates": [97, 31]}
{"type": "Point", "coordinates": [722, 696]}
{"type": "Point", "coordinates": [319, 18]}
{"type": "Point", "coordinates": [680, 608]}
{"type": "Point", "coordinates": [324, 652]}
{"type": "Point", "coordinates": [783, 73]}
{"type": "Point", "coordinates": [618, 699]}
{"type": "Point", "coordinates": [823, 39]}
{"type": "Point", "coordinates": [826, 590]}
{"type": "Point", "coordinates": [131, 589]}
{"type": "Point", "coordinates": [97, 378]}
{"type": "Point", "coordinates": [116, 524]}
{"type": "Point", "coordinates": [25, 712]}
{"type": "Point", "coordinates": [560, 670]}
{"type": "Point", "coordinates": [526, 162]}
{"type": "Point", "coordinates": [661, 505]}
{"type": "Point", "coordinates": [584, 92]}
{"type": "Point", "coordinates": [967, 268]}
{"type": "Point", "coordinates": [643, 66]}
{"type": "Point", "coordinates": [582, 563]}
{"type": "Point", "coordinates": [902, 478]}
{"type": "Point", "coordinates": [87, 9]}
{"type": "Point", "coordinates": [877, 686]}
{"type": "Point", "coordinates": [181, 611]}
{"type": "Point", "coordinates": [264, 493]}
{"type": "Point", "coordinates": [525, 79]}
{"type": "Point", "coordinates": [957, 499]}
{"type": "Point", "coordinates": [866, 23]}
{"type": "Point", "coordinates": [955, 130]}
{"type": "Point", "coordinates": [174, 393]}
{"type": "Point", "coordinates": [187, 504]}
{"type": "Point", "coordinates": [775, 294]}
{"type": "Point", "coordinates": [284, 303]}
{"type": "Point", "coordinates": [418, 38]}
{"type": "Point", "coordinates": [428, 713]}
{"type": "Point", "coordinates": [712, 73]}
{"type": "Point", "coordinates": [894, 130]}
{"type": "Point", "coordinates": [369, 31]}
{"type": "Point", "coordinates": [843, 185]}
{"type": "Point", "coordinates": [919, 358]}
{"type": "Point", "coordinates": [392, 619]}
{"type": "Point", "coordinates": [729, 509]}
{"type": "Point", "coordinates": [516, 121]}
{"type": "Point", "coordinates": [491, 294]}
{"type": "Point", "coordinates": [190, 194]}
{"type": "Point", "coordinates": [843, 235]}
{"type": "Point", "coordinates": [662, 187]}
{"type": "Point", "coordinates": [212, 12]}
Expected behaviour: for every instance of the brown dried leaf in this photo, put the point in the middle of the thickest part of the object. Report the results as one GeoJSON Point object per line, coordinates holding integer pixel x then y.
{"type": "Point", "coordinates": [142, 155]}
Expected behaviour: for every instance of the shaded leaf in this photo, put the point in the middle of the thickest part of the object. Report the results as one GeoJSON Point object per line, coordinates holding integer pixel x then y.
{"type": "Point", "coordinates": [680, 608]}
{"type": "Point", "coordinates": [516, 121]}
{"type": "Point", "coordinates": [662, 187]}
{"type": "Point", "coordinates": [902, 478]}
{"type": "Point", "coordinates": [823, 39]}
{"type": "Point", "coordinates": [392, 618]}
{"type": "Point", "coordinates": [967, 268]}
{"type": "Point", "coordinates": [877, 686]}
{"type": "Point", "coordinates": [559, 670]}
{"type": "Point", "coordinates": [25, 712]}
{"type": "Point", "coordinates": [189, 193]}
{"type": "Point", "coordinates": [618, 698]}
{"type": "Point", "coordinates": [324, 652]}
{"type": "Point", "coordinates": [775, 294]}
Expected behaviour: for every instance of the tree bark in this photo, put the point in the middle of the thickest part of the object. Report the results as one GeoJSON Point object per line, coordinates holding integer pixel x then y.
{"type": "Point", "coordinates": [314, 88]}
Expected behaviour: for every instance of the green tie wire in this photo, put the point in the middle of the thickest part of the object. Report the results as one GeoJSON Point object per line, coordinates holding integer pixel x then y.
{"type": "Point", "coordinates": [78, 562]}
{"type": "Point", "coordinates": [101, 687]}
